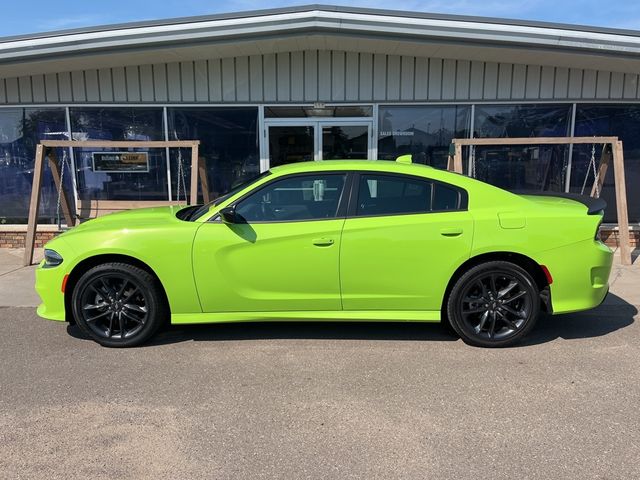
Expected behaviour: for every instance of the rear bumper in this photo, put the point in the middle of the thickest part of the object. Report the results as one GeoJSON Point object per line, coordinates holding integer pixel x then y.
{"type": "Point", "coordinates": [580, 274]}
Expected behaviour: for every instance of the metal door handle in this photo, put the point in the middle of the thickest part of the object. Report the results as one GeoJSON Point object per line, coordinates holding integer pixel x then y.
{"type": "Point", "coordinates": [451, 231]}
{"type": "Point", "coordinates": [323, 242]}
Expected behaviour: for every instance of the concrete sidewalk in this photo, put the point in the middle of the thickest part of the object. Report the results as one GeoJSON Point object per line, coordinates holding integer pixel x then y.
{"type": "Point", "coordinates": [16, 281]}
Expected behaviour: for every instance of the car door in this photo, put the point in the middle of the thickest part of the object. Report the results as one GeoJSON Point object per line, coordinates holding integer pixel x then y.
{"type": "Point", "coordinates": [403, 239]}
{"type": "Point", "coordinates": [283, 255]}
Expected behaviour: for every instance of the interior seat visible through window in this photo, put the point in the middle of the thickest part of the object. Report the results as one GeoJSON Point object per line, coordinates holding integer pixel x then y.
{"type": "Point", "coordinates": [295, 198]}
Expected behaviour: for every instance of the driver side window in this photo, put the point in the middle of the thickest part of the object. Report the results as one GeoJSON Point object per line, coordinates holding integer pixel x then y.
{"type": "Point", "coordinates": [295, 198]}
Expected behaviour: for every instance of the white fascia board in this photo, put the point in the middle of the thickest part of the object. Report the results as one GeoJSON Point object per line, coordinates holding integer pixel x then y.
{"type": "Point", "coordinates": [320, 21]}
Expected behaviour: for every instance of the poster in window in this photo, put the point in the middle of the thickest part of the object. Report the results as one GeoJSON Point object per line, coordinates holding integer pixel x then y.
{"type": "Point", "coordinates": [120, 162]}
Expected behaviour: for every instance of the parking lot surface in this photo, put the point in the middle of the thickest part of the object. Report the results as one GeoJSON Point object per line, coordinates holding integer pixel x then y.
{"type": "Point", "coordinates": [322, 401]}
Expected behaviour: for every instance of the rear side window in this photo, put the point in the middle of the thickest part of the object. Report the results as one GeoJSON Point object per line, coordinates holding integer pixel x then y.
{"type": "Point", "coordinates": [445, 198]}
{"type": "Point", "coordinates": [390, 195]}
{"type": "Point", "coordinates": [399, 194]}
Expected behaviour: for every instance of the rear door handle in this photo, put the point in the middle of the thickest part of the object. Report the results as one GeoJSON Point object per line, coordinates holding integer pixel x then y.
{"type": "Point", "coordinates": [323, 242]}
{"type": "Point", "coordinates": [451, 231]}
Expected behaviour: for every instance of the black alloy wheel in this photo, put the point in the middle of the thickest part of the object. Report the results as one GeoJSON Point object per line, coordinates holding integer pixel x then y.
{"type": "Point", "coordinates": [494, 304]}
{"type": "Point", "coordinates": [118, 305]}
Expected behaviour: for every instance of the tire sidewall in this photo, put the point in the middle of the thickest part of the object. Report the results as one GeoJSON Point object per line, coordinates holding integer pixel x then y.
{"type": "Point", "coordinates": [147, 285]}
{"type": "Point", "coordinates": [499, 267]}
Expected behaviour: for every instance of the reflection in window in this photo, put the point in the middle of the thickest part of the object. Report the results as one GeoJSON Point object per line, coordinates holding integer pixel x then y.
{"type": "Point", "coordinates": [228, 144]}
{"type": "Point", "coordinates": [308, 197]}
{"type": "Point", "coordinates": [392, 195]}
{"type": "Point", "coordinates": [423, 131]}
{"type": "Point", "coordinates": [622, 121]}
{"type": "Point", "coordinates": [20, 131]}
{"type": "Point", "coordinates": [521, 167]}
{"type": "Point", "coordinates": [119, 123]}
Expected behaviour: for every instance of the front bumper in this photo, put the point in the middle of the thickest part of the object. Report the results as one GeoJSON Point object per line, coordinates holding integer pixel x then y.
{"type": "Point", "coordinates": [49, 288]}
{"type": "Point", "coordinates": [580, 274]}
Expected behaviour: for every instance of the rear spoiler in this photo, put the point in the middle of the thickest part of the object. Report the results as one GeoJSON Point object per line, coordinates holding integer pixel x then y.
{"type": "Point", "coordinates": [594, 205]}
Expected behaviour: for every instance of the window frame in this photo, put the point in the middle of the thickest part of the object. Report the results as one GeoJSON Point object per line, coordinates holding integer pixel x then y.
{"type": "Point", "coordinates": [352, 209]}
{"type": "Point", "coordinates": [341, 212]}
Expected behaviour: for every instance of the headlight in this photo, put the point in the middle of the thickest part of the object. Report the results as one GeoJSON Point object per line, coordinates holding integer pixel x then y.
{"type": "Point", "coordinates": [51, 258]}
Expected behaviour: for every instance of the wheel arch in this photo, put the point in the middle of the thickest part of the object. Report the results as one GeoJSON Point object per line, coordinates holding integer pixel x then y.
{"type": "Point", "coordinates": [523, 261]}
{"type": "Point", "coordinates": [90, 262]}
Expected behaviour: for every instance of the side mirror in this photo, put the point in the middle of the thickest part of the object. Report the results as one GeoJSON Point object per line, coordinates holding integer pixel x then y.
{"type": "Point", "coordinates": [228, 215]}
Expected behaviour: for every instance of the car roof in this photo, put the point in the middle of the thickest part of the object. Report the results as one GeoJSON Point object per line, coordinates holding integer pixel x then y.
{"type": "Point", "coordinates": [377, 165]}
{"type": "Point", "coordinates": [371, 165]}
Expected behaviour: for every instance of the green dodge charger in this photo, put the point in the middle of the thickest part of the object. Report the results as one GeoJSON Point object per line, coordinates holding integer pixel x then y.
{"type": "Point", "coordinates": [333, 240]}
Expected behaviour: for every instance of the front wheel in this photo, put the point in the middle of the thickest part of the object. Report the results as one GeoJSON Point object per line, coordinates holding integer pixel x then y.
{"type": "Point", "coordinates": [494, 304]}
{"type": "Point", "coordinates": [118, 304]}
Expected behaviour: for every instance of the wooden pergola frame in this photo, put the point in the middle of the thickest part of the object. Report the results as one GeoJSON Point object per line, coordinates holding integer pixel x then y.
{"type": "Point", "coordinates": [455, 164]}
{"type": "Point", "coordinates": [46, 148]}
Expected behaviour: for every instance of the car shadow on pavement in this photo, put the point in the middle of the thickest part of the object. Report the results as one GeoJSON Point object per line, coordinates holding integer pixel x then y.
{"type": "Point", "coordinates": [612, 315]}
{"type": "Point", "coordinates": [608, 318]}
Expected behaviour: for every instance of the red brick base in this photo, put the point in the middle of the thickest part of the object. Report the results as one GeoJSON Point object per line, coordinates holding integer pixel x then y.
{"type": "Point", "coordinates": [16, 239]}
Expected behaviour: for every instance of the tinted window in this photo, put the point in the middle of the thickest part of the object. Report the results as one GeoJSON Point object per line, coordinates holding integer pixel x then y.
{"type": "Point", "coordinates": [304, 197]}
{"type": "Point", "coordinates": [445, 198]}
{"type": "Point", "coordinates": [389, 195]}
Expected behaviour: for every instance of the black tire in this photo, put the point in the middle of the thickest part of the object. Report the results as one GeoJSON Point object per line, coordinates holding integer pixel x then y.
{"type": "Point", "coordinates": [494, 304]}
{"type": "Point", "coordinates": [119, 305]}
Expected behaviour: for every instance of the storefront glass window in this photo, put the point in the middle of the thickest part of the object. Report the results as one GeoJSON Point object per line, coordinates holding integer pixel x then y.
{"type": "Point", "coordinates": [622, 121]}
{"type": "Point", "coordinates": [119, 123]}
{"type": "Point", "coordinates": [20, 131]}
{"type": "Point", "coordinates": [535, 167]}
{"type": "Point", "coordinates": [228, 144]}
{"type": "Point", "coordinates": [425, 132]}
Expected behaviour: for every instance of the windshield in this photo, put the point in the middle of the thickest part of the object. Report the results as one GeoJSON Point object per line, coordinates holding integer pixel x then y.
{"type": "Point", "coordinates": [217, 201]}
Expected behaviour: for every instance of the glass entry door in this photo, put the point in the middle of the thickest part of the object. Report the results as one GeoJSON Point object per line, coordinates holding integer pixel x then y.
{"type": "Point", "coordinates": [345, 142]}
{"type": "Point", "coordinates": [300, 141]}
{"type": "Point", "coordinates": [291, 144]}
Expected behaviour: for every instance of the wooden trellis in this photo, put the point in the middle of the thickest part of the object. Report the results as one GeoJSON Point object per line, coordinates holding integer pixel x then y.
{"type": "Point", "coordinates": [46, 148]}
{"type": "Point", "coordinates": [455, 165]}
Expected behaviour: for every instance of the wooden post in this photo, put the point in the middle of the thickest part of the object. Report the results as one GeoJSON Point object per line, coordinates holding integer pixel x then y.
{"type": "Point", "coordinates": [57, 180]}
{"type": "Point", "coordinates": [194, 174]}
{"type": "Point", "coordinates": [621, 203]}
{"type": "Point", "coordinates": [596, 190]}
{"type": "Point", "coordinates": [457, 159]}
{"type": "Point", "coordinates": [34, 206]}
{"type": "Point", "coordinates": [204, 178]}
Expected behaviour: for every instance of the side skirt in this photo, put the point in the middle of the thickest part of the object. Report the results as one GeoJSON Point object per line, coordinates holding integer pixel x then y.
{"type": "Point", "coordinates": [319, 316]}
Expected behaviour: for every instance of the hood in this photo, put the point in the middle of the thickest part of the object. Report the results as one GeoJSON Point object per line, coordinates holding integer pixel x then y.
{"type": "Point", "coordinates": [140, 217]}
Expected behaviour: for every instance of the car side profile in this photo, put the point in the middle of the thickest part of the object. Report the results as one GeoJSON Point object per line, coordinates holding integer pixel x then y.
{"type": "Point", "coordinates": [334, 240]}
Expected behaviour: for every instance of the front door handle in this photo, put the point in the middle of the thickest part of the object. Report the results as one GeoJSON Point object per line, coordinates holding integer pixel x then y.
{"type": "Point", "coordinates": [323, 242]}
{"type": "Point", "coordinates": [451, 231]}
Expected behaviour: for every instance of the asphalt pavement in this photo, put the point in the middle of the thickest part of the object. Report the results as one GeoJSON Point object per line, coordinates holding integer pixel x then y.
{"type": "Point", "coordinates": [295, 400]}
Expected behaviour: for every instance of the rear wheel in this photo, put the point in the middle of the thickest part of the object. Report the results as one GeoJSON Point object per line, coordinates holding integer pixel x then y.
{"type": "Point", "coordinates": [118, 305]}
{"type": "Point", "coordinates": [494, 304]}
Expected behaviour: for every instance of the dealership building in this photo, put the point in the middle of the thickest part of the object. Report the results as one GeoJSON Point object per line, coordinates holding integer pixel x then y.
{"type": "Point", "coordinates": [265, 88]}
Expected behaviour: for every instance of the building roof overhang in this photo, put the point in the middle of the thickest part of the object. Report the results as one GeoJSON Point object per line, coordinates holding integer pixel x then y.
{"type": "Point", "coordinates": [322, 27]}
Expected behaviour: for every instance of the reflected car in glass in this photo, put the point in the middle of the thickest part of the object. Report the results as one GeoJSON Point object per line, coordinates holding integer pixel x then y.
{"type": "Point", "coordinates": [333, 241]}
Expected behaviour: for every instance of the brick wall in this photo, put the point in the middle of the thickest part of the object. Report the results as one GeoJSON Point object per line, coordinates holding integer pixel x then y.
{"type": "Point", "coordinates": [17, 239]}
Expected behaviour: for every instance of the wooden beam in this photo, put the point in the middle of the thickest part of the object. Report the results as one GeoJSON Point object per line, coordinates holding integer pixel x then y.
{"type": "Point", "coordinates": [457, 159]}
{"type": "Point", "coordinates": [204, 179]}
{"type": "Point", "coordinates": [605, 158]}
{"type": "Point", "coordinates": [34, 206]}
{"type": "Point", "coordinates": [533, 140]}
{"type": "Point", "coordinates": [120, 143]}
{"type": "Point", "coordinates": [621, 203]}
{"type": "Point", "coordinates": [65, 205]}
{"type": "Point", "coordinates": [194, 176]}
{"type": "Point", "coordinates": [450, 163]}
